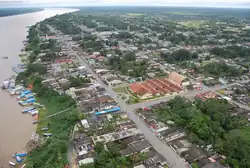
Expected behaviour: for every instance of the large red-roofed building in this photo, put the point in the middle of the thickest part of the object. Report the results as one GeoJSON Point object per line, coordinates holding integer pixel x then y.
{"type": "Point", "coordinates": [154, 87]}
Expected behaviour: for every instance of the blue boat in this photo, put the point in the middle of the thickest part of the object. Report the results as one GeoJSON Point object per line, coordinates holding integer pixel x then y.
{"type": "Point", "coordinates": [25, 92]}
{"type": "Point", "coordinates": [19, 159]}
{"type": "Point", "coordinates": [22, 154]}
{"type": "Point", "coordinates": [27, 102]}
{"type": "Point", "coordinates": [29, 96]}
{"type": "Point", "coordinates": [28, 109]}
{"type": "Point", "coordinates": [108, 111]}
{"type": "Point", "coordinates": [21, 96]}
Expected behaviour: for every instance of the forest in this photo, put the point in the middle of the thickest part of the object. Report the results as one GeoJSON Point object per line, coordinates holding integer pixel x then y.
{"type": "Point", "coordinates": [17, 11]}
{"type": "Point", "coordinates": [211, 122]}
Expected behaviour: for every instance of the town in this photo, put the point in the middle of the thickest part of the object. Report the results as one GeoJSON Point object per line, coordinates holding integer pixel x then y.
{"type": "Point", "coordinates": [154, 88]}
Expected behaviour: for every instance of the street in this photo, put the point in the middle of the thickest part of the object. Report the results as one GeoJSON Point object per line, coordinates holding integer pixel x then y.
{"type": "Point", "coordinates": [173, 160]}
{"type": "Point", "coordinates": [171, 157]}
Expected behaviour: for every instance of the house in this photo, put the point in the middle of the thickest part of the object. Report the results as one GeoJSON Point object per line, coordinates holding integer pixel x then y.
{"type": "Point", "coordinates": [140, 91]}
{"type": "Point", "coordinates": [176, 78]}
{"type": "Point", "coordinates": [86, 161]}
{"type": "Point", "coordinates": [136, 147]}
{"type": "Point", "coordinates": [154, 87]}
{"type": "Point", "coordinates": [113, 81]}
{"type": "Point", "coordinates": [85, 123]}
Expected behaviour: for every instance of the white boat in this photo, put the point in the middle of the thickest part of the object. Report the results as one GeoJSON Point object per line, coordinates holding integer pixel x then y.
{"type": "Point", "coordinates": [12, 164]}
{"type": "Point", "coordinates": [28, 109]}
{"type": "Point", "coordinates": [34, 112]}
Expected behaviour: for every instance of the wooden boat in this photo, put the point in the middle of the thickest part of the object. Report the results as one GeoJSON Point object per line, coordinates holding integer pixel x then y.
{"type": "Point", "coordinates": [34, 112]}
{"type": "Point", "coordinates": [28, 109]}
{"type": "Point", "coordinates": [21, 154]}
{"type": "Point", "coordinates": [47, 134]}
{"type": "Point", "coordinates": [44, 129]}
{"type": "Point", "coordinates": [12, 164]}
{"type": "Point", "coordinates": [19, 159]}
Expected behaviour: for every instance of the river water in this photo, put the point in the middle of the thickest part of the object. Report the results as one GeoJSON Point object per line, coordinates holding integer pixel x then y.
{"type": "Point", "coordinates": [15, 128]}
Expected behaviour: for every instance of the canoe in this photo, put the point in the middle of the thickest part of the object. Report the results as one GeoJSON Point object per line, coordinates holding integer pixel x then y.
{"type": "Point", "coordinates": [21, 154]}
{"type": "Point", "coordinates": [12, 164]}
{"type": "Point", "coordinates": [44, 129]}
{"type": "Point", "coordinates": [19, 159]}
{"type": "Point", "coordinates": [34, 112]}
{"type": "Point", "coordinates": [47, 134]}
{"type": "Point", "coordinates": [28, 109]}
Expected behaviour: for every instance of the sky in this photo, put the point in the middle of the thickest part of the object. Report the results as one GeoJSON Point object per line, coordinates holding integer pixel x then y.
{"type": "Point", "coordinates": [194, 3]}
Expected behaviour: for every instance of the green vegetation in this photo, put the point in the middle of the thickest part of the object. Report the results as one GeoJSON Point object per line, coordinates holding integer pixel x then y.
{"type": "Point", "coordinates": [17, 11]}
{"type": "Point", "coordinates": [193, 23]}
{"type": "Point", "coordinates": [231, 51]}
{"type": "Point", "coordinates": [127, 65]}
{"type": "Point", "coordinates": [52, 153]}
{"type": "Point", "coordinates": [78, 81]}
{"type": "Point", "coordinates": [179, 56]}
{"type": "Point", "coordinates": [211, 122]}
{"type": "Point", "coordinates": [125, 91]}
{"type": "Point", "coordinates": [219, 70]}
{"type": "Point", "coordinates": [112, 158]}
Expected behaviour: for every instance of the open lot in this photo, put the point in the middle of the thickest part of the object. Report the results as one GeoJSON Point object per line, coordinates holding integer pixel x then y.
{"type": "Point", "coordinates": [193, 23]}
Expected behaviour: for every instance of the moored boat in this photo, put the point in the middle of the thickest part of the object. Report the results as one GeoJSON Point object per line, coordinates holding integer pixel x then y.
{"type": "Point", "coordinates": [28, 109]}
{"type": "Point", "coordinates": [12, 164]}
{"type": "Point", "coordinates": [27, 102]}
{"type": "Point", "coordinates": [47, 134]}
{"type": "Point", "coordinates": [34, 112]}
{"type": "Point", "coordinates": [21, 154]}
{"type": "Point", "coordinates": [44, 129]}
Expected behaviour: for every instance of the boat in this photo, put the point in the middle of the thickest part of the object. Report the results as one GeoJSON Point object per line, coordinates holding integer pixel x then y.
{"type": "Point", "coordinates": [16, 90]}
{"type": "Point", "coordinates": [27, 102]}
{"type": "Point", "coordinates": [44, 129]}
{"type": "Point", "coordinates": [19, 159]}
{"type": "Point", "coordinates": [25, 97]}
{"type": "Point", "coordinates": [34, 112]}
{"type": "Point", "coordinates": [21, 154]}
{"type": "Point", "coordinates": [28, 109]}
{"type": "Point", "coordinates": [12, 164]}
{"type": "Point", "coordinates": [47, 134]}
{"type": "Point", "coordinates": [25, 92]}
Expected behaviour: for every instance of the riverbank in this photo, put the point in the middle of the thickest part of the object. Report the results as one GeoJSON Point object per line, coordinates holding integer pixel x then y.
{"type": "Point", "coordinates": [19, 126]}
{"type": "Point", "coordinates": [5, 12]}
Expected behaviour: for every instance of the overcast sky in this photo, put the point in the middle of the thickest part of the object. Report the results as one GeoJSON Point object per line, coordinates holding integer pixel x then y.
{"type": "Point", "coordinates": [203, 3]}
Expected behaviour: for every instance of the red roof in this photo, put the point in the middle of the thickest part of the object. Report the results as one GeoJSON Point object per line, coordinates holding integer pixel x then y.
{"type": "Point", "coordinates": [175, 77]}
{"type": "Point", "coordinates": [155, 86]}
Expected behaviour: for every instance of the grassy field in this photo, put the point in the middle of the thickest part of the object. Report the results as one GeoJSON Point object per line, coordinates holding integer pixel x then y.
{"type": "Point", "coordinates": [132, 97]}
{"type": "Point", "coordinates": [135, 14]}
{"type": "Point", "coordinates": [206, 62]}
{"type": "Point", "coordinates": [193, 23]}
{"type": "Point", "coordinates": [183, 13]}
{"type": "Point", "coordinates": [125, 90]}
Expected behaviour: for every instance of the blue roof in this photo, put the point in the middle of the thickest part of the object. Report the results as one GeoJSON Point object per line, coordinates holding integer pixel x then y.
{"type": "Point", "coordinates": [108, 111]}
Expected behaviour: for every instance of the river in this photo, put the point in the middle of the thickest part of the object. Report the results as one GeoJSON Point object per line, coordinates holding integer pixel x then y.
{"type": "Point", "coordinates": [15, 128]}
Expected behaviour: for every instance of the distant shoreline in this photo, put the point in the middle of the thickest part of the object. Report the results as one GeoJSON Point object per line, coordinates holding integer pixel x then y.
{"type": "Point", "coordinates": [6, 12]}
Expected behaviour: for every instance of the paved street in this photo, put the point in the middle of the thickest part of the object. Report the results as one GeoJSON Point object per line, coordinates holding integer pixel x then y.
{"type": "Point", "coordinates": [189, 94]}
{"type": "Point", "coordinates": [172, 158]}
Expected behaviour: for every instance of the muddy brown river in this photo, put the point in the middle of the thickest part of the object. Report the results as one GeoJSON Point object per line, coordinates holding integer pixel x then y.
{"type": "Point", "coordinates": [15, 128]}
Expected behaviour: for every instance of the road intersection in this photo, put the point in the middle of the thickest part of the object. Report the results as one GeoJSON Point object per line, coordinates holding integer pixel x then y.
{"type": "Point", "coordinates": [172, 158]}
